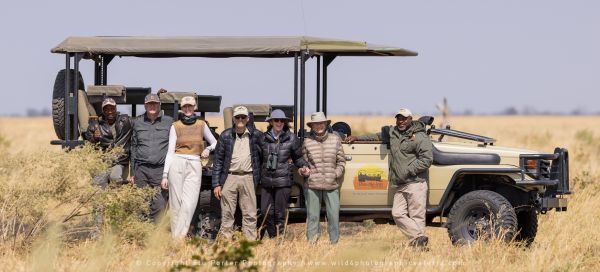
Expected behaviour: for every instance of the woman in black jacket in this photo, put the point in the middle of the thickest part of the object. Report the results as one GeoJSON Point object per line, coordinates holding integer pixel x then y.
{"type": "Point", "coordinates": [279, 147]}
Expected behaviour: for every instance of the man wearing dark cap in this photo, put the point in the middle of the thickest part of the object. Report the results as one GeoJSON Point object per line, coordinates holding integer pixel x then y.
{"type": "Point", "coordinates": [109, 130]}
{"type": "Point", "coordinates": [411, 155]}
{"type": "Point", "coordinates": [149, 145]}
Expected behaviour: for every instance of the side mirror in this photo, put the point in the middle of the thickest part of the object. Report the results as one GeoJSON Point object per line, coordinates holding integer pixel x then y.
{"type": "Point", "coordinates": [385, 136]}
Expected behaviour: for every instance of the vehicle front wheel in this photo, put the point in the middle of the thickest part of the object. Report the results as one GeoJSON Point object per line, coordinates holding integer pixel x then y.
{"type": "Point", "coordinates": [528, 224]}
{"type": "Point", "coordinates": [479, 215]}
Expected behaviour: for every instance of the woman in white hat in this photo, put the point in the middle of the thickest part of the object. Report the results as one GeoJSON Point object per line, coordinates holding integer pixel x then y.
{"type": "Point", "coordinates": [183, 169]}
{"type": "Point", "coordinates": [326, 159]}
{"type": "Point", "coordinates": [279, 145]}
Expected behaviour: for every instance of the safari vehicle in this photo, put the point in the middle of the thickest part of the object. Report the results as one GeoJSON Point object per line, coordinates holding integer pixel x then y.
{"type": "Point", "coordinates": [478, 188]}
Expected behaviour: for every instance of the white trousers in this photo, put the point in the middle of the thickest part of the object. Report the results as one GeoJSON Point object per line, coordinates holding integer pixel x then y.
{"type": "Point", "coordinates": [184, 177]}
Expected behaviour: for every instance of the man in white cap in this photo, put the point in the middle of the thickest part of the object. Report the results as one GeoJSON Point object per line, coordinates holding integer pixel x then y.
{"type": "Point", "coordinates": [411, 155]}
{"type": "Point", "coordinates": [326, 160]}
{"type": "Point", "coordinates": [111, 129]}
{"type": "Point", "coordinates": [236, 173]}
{"type": "Point", "coordinates": [149, 145]}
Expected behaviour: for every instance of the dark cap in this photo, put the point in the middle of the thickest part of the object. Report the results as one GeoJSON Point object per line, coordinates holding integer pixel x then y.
{"type": "Point", "coordinates": [151, 98]}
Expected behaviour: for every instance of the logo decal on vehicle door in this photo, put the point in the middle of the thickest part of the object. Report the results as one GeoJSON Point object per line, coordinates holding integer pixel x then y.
{"type": "Point", "coordinates": [370, 178]}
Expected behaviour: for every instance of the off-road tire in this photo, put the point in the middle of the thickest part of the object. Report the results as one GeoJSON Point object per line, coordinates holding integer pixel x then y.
{"type": "Point", "coordinates": [58, 102]}
{"type": "Point", "coordinates": [527, 226]}
{"type": "Point", "coordinates": [481, 214]}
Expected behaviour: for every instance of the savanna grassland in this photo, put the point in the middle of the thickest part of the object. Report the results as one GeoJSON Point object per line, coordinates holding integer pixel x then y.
{"type": "Point", "coordinates": [47, 213]}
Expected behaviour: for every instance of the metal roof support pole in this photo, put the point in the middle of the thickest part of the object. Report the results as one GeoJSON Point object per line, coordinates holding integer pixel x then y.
{"type": "Point", "coordinates": [304, 57]}
{"type": "Point", "coordinates": [98, 71]}
{"type": "Point", "coordinates": [105, 61]}
{"type": "Point", "coordinates": [318, 83]}
{"type": "Point", "coordinates": [326, 61]}
{"type": "Point", "coordinates": [74, 98]}
{"type": "Point", "coordinates": [67, 104]}
{"type": "Point", "coordinates": [296, 93]}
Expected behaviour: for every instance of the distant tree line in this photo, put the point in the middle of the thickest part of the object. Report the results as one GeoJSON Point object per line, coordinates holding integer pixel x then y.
{"type": "Point", "coordinates": [31, 112]}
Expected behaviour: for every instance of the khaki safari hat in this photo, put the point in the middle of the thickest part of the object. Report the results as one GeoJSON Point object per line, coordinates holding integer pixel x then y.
{"type": "Point", "coordinates": [151, 98]}
{"type": "Point", "coordinates": [404, 112]}
{"type": "Point", "coordinates": [188, 100]}
{"type": "Point", "coordinates": [318, 117]}
{"type": "Point", "coordinates": [240, 110]}
{"type": "Point", "coordinates": [108, 101]}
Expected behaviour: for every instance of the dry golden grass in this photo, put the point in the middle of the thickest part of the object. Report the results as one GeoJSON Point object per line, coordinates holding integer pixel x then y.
{"type": "Point", "coordinates": [565, 241]}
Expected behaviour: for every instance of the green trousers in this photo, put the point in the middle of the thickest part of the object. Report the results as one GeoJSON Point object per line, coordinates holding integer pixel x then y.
{"type": "Point", "coordinates": [313, 213]}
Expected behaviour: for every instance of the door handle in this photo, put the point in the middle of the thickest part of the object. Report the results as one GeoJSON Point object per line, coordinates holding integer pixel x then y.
{"type": "Point", "coordinates": [348, 158]}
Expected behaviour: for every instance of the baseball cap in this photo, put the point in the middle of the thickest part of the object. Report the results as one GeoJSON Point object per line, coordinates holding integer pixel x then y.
{"type": "Point", "coordinates": [188, 100]}
{"type": "Point", "coordinates": [151, 98]}
{"type": "Point", "coordinates": [108, 101]}
{"type": "Point", "coordinates": [404, 112]}
{"type": "Point", "coordinates": [240, 110]}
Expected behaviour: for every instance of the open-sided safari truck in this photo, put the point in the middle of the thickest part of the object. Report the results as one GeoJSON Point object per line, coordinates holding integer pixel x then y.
{"type": "Point", "coordinates": [478, 187]}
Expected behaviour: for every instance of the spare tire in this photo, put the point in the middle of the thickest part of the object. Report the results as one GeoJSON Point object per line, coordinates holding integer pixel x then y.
{"type": "Point", "coordinates": [58, 102]}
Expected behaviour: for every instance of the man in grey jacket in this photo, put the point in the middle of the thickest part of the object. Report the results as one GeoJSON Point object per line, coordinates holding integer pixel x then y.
{"type": "Point", "coordinates": [411, 155]}
{"type": "Point", "coordinates": [149, 145]}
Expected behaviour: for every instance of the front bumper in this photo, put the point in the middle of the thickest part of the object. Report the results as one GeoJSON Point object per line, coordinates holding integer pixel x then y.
{"type": "Point", "coordinates": [557, 203]}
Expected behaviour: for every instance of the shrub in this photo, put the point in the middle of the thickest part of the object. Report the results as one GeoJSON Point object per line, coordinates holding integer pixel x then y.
{"type": "Point", "coordinates": [53, 187]}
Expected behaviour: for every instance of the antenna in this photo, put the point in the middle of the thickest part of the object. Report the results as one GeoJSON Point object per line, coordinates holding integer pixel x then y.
{"type": "Point", "coordinates": [445, 112]}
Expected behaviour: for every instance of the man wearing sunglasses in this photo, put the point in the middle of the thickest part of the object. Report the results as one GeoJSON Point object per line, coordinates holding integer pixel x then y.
{"type": "Point", "coordinates": [236, 173]}
{"type": "Point", "coordinates": [411, 155]}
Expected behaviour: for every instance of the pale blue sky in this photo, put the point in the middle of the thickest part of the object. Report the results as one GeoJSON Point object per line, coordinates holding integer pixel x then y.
{"type": "Point", "coordinates": [483, 55]}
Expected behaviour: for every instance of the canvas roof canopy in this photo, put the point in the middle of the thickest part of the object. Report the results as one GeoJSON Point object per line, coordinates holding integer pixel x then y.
{"type": "Point", "coordinates": [222, 47]}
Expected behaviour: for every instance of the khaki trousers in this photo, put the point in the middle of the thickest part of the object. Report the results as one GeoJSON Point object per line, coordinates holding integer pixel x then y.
{"type": "Point", "coordinates": [241, 186]}
{"type": "Point", "coordinates": [409, 208]}
{"type": "Point", "coordinates": [185, 176]}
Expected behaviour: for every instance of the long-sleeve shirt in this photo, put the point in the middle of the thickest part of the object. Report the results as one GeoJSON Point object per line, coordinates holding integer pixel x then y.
{"type": "Point", "coordinates": [173, 141]}
{"type": "Point", "coordinates": [150, 140]}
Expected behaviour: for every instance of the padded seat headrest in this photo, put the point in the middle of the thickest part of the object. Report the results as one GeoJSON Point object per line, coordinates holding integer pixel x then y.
{"type": "Point", "coordinates": [109, 90]}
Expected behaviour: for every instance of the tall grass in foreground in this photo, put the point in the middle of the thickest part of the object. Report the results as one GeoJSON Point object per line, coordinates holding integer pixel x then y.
{"type": "Point", "coordinates": [49, 185]}
{"type": "Point", "coordinates": [47, 201]}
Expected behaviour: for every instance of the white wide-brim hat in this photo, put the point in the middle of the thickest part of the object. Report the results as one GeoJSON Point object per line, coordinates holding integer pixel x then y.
{"type": "Point", "coordinates": [318, 117]}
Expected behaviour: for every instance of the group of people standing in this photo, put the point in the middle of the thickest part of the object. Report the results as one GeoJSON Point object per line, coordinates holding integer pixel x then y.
{"type": "Point", "coordinates": [246, 158]}
{"type": "Point", "coordinates": [167, 155]}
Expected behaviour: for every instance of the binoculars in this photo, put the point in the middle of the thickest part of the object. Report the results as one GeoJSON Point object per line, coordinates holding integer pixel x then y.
{"type": "Point", "coordinates": [272, 161]}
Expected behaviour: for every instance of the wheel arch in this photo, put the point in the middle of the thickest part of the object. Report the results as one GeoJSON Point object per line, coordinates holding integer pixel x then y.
{"type": "Point", "coordinates": [498, 180]}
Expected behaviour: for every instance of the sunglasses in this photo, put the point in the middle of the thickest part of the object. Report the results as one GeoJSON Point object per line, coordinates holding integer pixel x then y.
{"type": "Point", "coordinates": [278, 120]}
{"type": "Point", "coordinates": [240, 117]}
